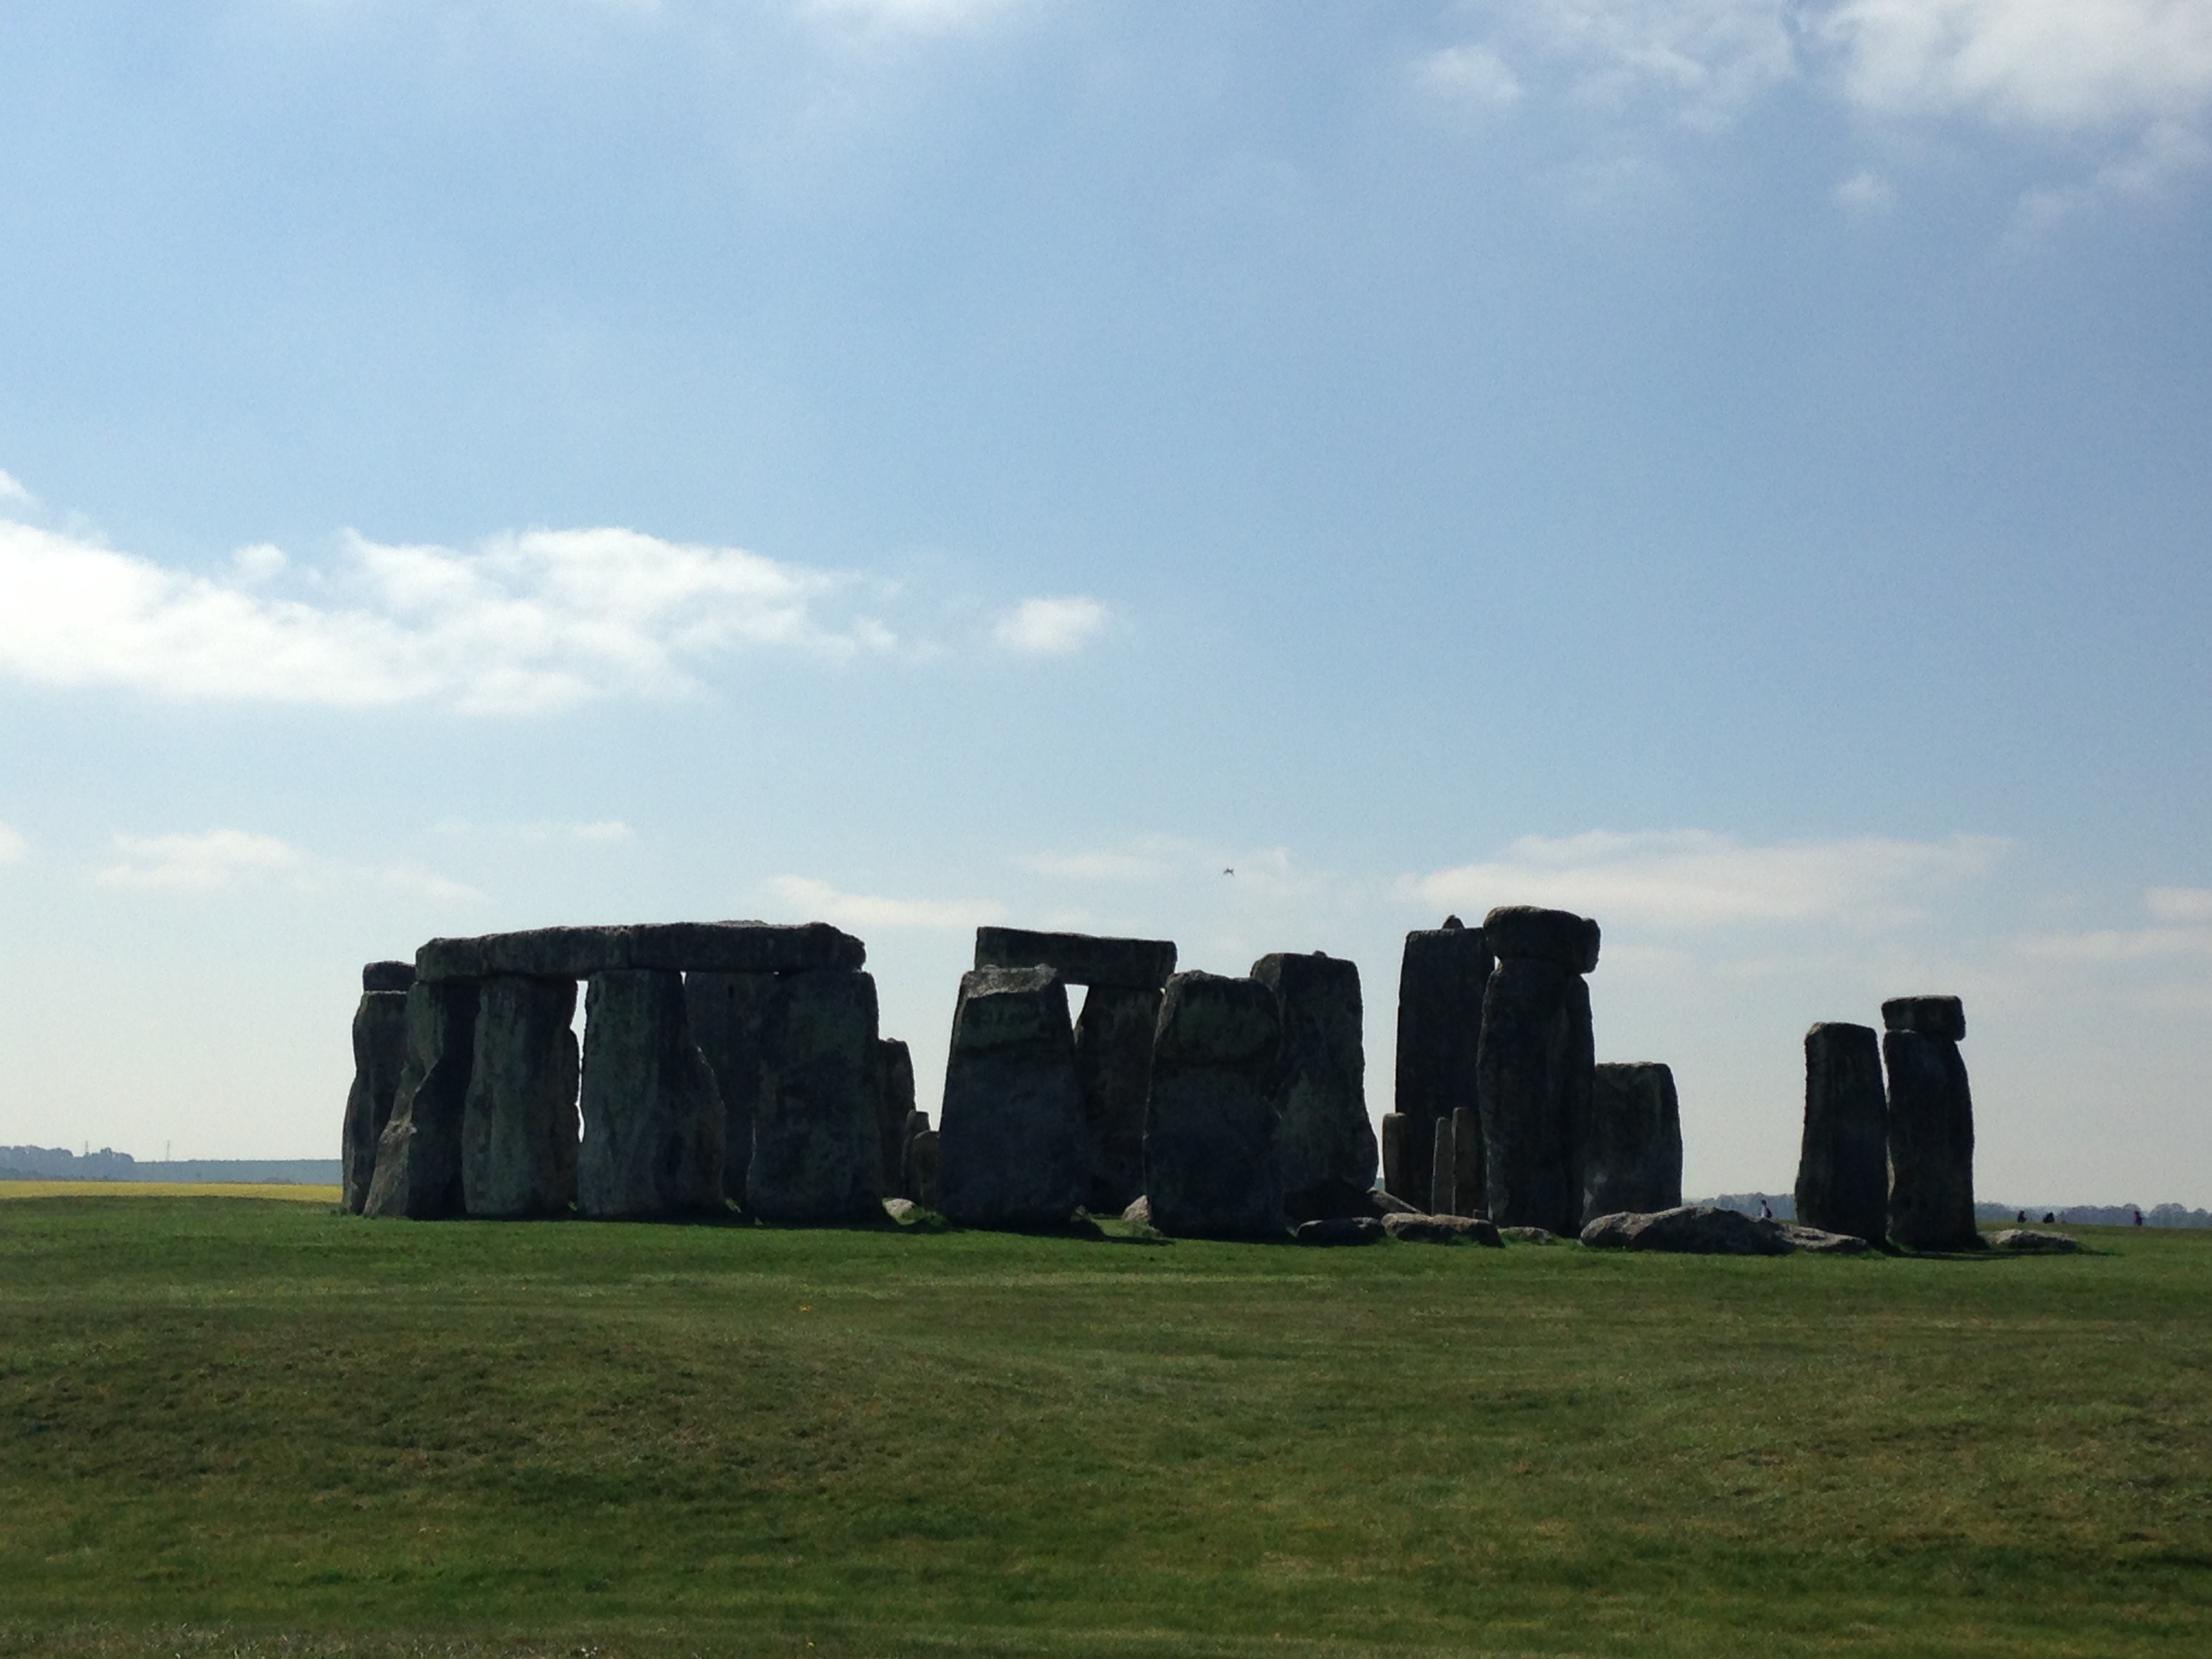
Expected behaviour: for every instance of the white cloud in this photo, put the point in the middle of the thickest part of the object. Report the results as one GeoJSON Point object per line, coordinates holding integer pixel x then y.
{"type": "Point", "coordinates": [1473, 74]}
{"type": "Point", "coordinates": [909, 16]}
{"type": "Point", "coordinates": [1705, 59]}
{"type": "Point", "coordinates": [526, 623]}
{"type": "Point", "coordinates": [1052, 626]}
{"type": "Point", "coordinates": [817, 901]}
{"type": "Point", "coordinates": [12, 490]}
{"type": "Point", "coordinates": [1865, 193]}
{"type": "Point", "coordinates": [219, 860]}
{"type": "Point", "coordinates": [2179, 904]}
{"type": "Point", "coordinates": [14, 849]}
{"type": "Point", "coordinates": [1694, 878]}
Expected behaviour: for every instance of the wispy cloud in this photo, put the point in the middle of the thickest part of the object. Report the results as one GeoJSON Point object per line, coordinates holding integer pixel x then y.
{"type": "Point", "coordinates": [2181, 926]}
{"type": "Point", "coordinates": [12, 490]}
{"type": "Point", "coordinates": [910, 16]}
{"type": "Point", "coordinates": [817, 901]}
{"type": "Point", "coordinates": [524, 623]}
{"type": "Point", "coordinates": [605, 832]}
{"type": "Point", "coordinates": [14, 849]}
{"type": "Point", "coordinates": [1694, 879]}
{"type": "Point", "coordinates": [220, 861]}
{"type": "Point", "coordinates": [1052, 626]}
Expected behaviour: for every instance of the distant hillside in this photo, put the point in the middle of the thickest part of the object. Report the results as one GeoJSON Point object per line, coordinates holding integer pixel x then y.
{"type": "Point", "coordinates": [2080, 1215]}
{"type": "Point", "coordinates": [59, 1164]}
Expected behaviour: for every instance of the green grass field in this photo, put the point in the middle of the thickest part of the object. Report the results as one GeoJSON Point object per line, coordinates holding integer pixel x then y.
{"type": "Point", "coordinates": [230, 1427]}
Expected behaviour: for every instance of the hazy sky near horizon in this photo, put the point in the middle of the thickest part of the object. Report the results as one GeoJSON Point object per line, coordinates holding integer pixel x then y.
{"type": "Point", "coordinates": [1737, 468]}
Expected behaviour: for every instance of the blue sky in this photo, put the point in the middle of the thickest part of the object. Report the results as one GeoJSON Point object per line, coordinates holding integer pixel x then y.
{"type": "Point", "coordinates": [1736, 467]}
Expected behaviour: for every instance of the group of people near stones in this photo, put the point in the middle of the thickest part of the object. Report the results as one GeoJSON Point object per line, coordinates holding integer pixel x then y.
{"type": "Point", "coordinates": [738, 1066]}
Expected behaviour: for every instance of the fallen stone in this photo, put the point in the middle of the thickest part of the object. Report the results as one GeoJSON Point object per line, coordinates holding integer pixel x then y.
{"type": "Point", "coordinates": [1209, 1122]}
{"type": "Point", "coordinates": [1632, 1153]}
{"type": "Point", "coordinates": [1389, 1204]}
{"type": "Point", "coordinates": [2027, 1241]}
{"type": "Point", "coordinates": [387, 977]}
{"type": "Point", "coordinates": [1526, 1235]}
{"type": "Point", "coordinates": [1843, 1165]}
{"type": "Point", "coordinates": [653, 1123]}
{"type": "Point", "coordinates": [1113, 1068]}
{"type": "Point", "coordinates": [1537, 1074]}
{"type": "Point", "coordinates": [815, 1139]}
{"type": "Point", "coordinates": [1935, 1017]}
{"type": "Point", "coordinates": [1525, 932]}
{"type": "Point", "coordinates": [519, 1133]}
{"type": "Point", "coordinates": [1341, 1229]}
{"type": "Point", "coordinates": [1013, 1148]}
{"type": "Point", "coordinates": [893, 1113]}
{"type": "Point", "coordinates": [1932, 1144]}
{"type": "Point", "coordinates": [1689, 1229]}
{"type": "Point", "coordinates": [898, 1209]}
{"type": "Point", "coordinates": [1818, 1240]}
{"type": "Point", "coordinates": [711, 947]}
{"type": "Point", "coordinates": [1322, 1132]}
{"type": "Point", "coordinates": [729, 1021]}
{"type": "Point", "coordinates": [1140, 1211]}
{"type": "Point", "coordinates": [1135, 965]}
{"type": "Point", "coordinates": [1441, 1229]}
{"type": "Point", "coordinates": [380, 1056]}
{"type": "Point", "coordinates": [1442, 976]}
{"type": "Point", "coordinates": [418, 1157]}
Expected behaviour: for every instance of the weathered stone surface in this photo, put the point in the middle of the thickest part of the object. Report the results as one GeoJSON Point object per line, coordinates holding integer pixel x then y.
{"type": "Point", "coordinates": [1441, 1229]}
{"type": "Point", "coordinates": [1113, 1067]}
{"type": "Point", "coordinates": [899, 1209]}
{"type": "Point", "coordinates": [1140, 1211]}
{"type": "Point", "coordinates": [714, 947]}
{"type": "Point", "coordinates": [1468, 1195]}
{"type": "Point", "coordinates": [1441, 979]}
{"type": "Point", "coordinates": [1395, 1133]}
{"type": "Point", "coordinates": [1932, 1144]}
{"type": "Point", "coordinates": [729, 1021]}
{"type": "Point", "coordinates": [1935, 1017]}
{"type": "Point", "coordinates": [1341, 1229]}
{"type": "Point", "coordinates": [1525, 932]}
{"type": "Point", "coordinates": [917, 1123]}
{"type": "Point", "coordinates": [1632, 1153]}
{"type": "Point", "coordinates": [1324, 1141]}
{"type": "Point", "coordinates": [921, 1167]}
{"type": "Point", "coordinates": [1388, 1204]}
{"type": "Point", "coordinates": [894, 1114]}
{"type": "Point", "coordinates": [379, 1055]}
{"type": "Point", "coordinates": [1842, 1166]}
{"type": "Point", "coordinates": [2027, 1241]}
{"type": "Point", "coordinates": [1443, 1166]}
{"type": "Point", "coordinates": [387, 977]}
{"type": "Point", "coordinates": [653, 1125]}
{"type": "Point", "coordinates": [1537, 1074]}
{"type": "Point", "coordinates": [815, 1147]}
{"type": "Point", "coordinates": [519, 1135]}
{"type": "Point", "coordinates": [1210, 1124]}
{"type": "Point", "coordinates": [418, 1157]}
{"type": "Point", "coordinates": [1689, 1229]}
{"type": "Point", "coordinates": [1135, 965]}
{"type": "Point", "coordinates": [1818, 1240]}
{"type": "Point", "coordinates": [1526, 1235]}
{"type": "Point", "coordinates": [1013, 1148]}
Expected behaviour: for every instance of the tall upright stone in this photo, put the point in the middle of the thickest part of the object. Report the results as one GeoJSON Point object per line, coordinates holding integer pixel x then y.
{"type": "Point", "coordinates": [1113, 1067]}
{"type": "Point", "coordinates": [729, 1020]}
{"type": "Point", "coordinates": [894, 1112]}
{"type": "Point", "coordinates": [1325, 1150]}
{"type": "Point", "coordinates": [1210, 1166]}
{"type": "Point", "coordinates": [1843, 1164]}
{"type": "Point", "coordinates": [816, 1144]}
{"type": "Point", "coordinates": [379, 1055]}
{"type": "Point", "coordinates": [1468, 1197]}
{"type": "Point", "coordinates": [653, 1119]}
{"type": "Point", "coordinates": [1393, 1139]}
{"type": "Point", "coordinates": [1931, 1125]}
{"type": "Point", "coordinates": [519, 1133]}
{"type": "Point", "coordinates": [1441, 980]}
{"type": "Point", "coordinates": [1537, 1066]}
{"type": "Point", "coordinates": [1633, 1159]}
{"type": "Point", "coordinates": [418, 1157]}
{"type": "Point", "coordinates": [1444, 1171]}
{"type": "Point", "coordinates": [1013, 1144]}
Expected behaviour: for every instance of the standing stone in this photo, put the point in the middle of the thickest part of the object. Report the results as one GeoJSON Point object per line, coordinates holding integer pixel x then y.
{"type": "Point", "coordinates": [894, 1111]}
{"type": "Point", "coordinates": [1394, 1157]}
{"type": "Point", "coordinates": [1013, 1150]}
{"type": "Point", "coordinates": [815, 1137]}
{"type": "Point", "coordinates": [729, 1019]}
{"type": "Point", "coordinates": [1843, 1165]}
{"type": "Point", "coordinates": [1113, 1067]}
{"type": "Point", "coordinates": [917, 1123]}
{"type": "Point", "coordinates": [1468, 1197]}
{"type": "Point", "coordinates": [1443, 1170]}
{"type": "Point", "coordinates": [1537, 1067]}
{"type": "Point", "coordinates": [1210, 1126]}
{"type": "Point", "coordinates": [519, 1124]}
{"type": "Point", "coordinates": [1931, 1127]}
{"type": "Point", "coordinates": [1441, 980]}
{"type": "Point", "coordinates": [1633, 1156]}
{"type": "Point", "coordinates": [652, 1118]}
{"type": "Point", "coordinates": [921, 1167]}
{"type": "Point", "coordinates": [379, 1055]}
{"type": "Point", "coordinates": [418, 1157]}
{"type": "Point", "coordinates": [1325, 1150]}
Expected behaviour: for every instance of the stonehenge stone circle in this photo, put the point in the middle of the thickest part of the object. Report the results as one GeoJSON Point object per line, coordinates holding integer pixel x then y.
{"type": "Point", "coordinates": [715, 947]}
{"type": "Point", "coordinates": [1632, 1157]}
{"type": "Point", "coordinates": [894, 1111]}
{"type": "Point", "coordinates": [816, 1142]}
{"type": "Point", "coordinates": [418, 1157]}
{"type": "Point", "coordinates": [1113, 1068]}
{"type": "Point", "coordinates": [729, 1021]}
{"type": "Point", "coordinates": [1931, 1128]}
{"type": "Point", "coordinates": [1325, 1150]}
{"type": "Point", "coordinates": [652, 1118]}
{"type": "Point", "coordinates": [1133, 964]}
{"type": "Point", "coordinates": [1210, 1124]}
{"type": "Point", "coordinates": [1441, 979]}
{"type": "Point", "coordinates": [1013, 1144]}
{"type": "Point", "coordinates": [380, 1054]}
{"type": "Point", "coordinates": [1537, 1065]}
{"type": "Point", "coordinates": [519, 1147]}
{"type": "Point", "coordinates": [1842, 1166]}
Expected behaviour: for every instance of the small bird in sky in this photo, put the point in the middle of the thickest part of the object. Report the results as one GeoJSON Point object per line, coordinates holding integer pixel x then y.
{"type": "Point", "coordinates": [1228, 872]}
